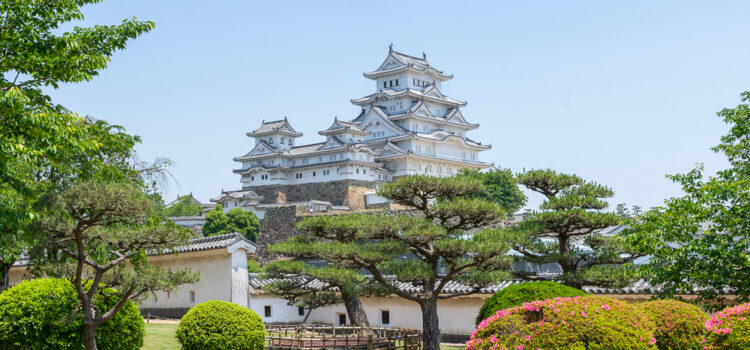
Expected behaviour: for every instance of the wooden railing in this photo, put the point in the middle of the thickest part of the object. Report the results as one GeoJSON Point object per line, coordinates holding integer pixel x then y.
{"type": "Point", "coordinates": [315, 337]}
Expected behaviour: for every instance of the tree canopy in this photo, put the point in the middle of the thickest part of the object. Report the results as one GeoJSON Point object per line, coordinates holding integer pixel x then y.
{"type": "Point", "coordinates": [499, 187]}
{"type": "Point", "coordinates": [43, 145]}
{"type": "Point", "coordinates": [700, 243]}
{"type": "Point", "coordinates": [102, 231]}
{"type": "Point", "coordinates": [184, 206]}
{"type": "Point", "coordinates": [235, 220]}
{"type": "Point", "coordinates": [427, 247]}
{"type": "Point", "coordinates": [563, 230]}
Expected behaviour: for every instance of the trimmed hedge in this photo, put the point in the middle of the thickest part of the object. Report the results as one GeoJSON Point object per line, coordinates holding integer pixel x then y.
{"type": "Point", "coordinates": [678, 325]}
{"type": "Point", "coordinates": [518, 294]}
{"type": "Point", "coordinates": [566, 323]}
{"type": "Point", "coordinates": [221, 325]}
{"type": "Point", "coordinates": [43, 314]}
{"type": "Point", "coordinates": [729, 329]}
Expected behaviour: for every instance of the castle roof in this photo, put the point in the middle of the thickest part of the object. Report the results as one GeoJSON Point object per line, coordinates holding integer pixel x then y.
{"type": "Point", "coordinates": [241, 194]}
{"type": "Point", "coordinates": [397, 62]}
{"type": "Point", "coordinates": [275, 127]}
{"type": "Point", "coordinates": [419, 110]}
{"type": "Point", "coordinates": [391, 93]}
{"type": "Point", "coordinates": [340, 126]}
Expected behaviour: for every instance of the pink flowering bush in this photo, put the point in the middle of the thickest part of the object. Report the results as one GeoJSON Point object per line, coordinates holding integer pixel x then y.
{"type": "Point", "coordinates": [566, 323]}
{"type": "Point", "coordinates": [678, 325]}
{"type": "Point", "coordinates": [729, 329]}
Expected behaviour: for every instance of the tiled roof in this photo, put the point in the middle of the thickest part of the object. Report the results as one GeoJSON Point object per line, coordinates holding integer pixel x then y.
{"type": "Point", "coordinates": [196, 245]}
{"type": "Point", "coordinates": [241, 194]}
{"type": "Point", "coordinates": [453, 287]}
{"type": "Point", "coordinates": [209, 243]}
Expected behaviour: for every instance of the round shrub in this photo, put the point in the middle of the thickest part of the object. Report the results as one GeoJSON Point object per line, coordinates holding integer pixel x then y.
{"type": "Point", "coordinates": [44, 314]}
{"type": "Point", "coordinates": [677, 325]}
{"type": "Point", "coordinates": [221, 325]}
{"type": "Point", "coordinates": [566, 323]}
{"type": "Point", "coordinates": [518, 294]}
{"type": "Point", "coordinates": [729, 329]}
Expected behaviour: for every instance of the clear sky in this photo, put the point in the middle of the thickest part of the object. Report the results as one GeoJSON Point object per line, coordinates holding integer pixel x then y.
{"type": "Point", "coordinates": [619, 93]}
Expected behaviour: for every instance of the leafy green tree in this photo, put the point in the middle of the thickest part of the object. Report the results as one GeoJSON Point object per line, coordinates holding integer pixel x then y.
{"type": "Point", "coordinates": [244, 222]}
{"type": "Point", "coordinates": [43, 144]}
{"type": "Point", "coordinates": [216, 222]}
{"type": "Point", "coordinates": [499, 187]}
{"type": "Point", "coordinates": [101, 231]}
{"type": "Point", "coordinates": [700, 243]}
{"type": "Point", "coordinates": [428, 250]}
{"type": "Point", "coordinates": [235, 220]}
{"type": "Point", "coordinates": [184, 206]}
{"type": "Point", "coordinates": [562, 231]}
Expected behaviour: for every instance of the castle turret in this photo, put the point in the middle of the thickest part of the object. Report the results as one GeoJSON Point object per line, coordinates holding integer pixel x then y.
{"type": "Point", "coordinates": [278, 134]}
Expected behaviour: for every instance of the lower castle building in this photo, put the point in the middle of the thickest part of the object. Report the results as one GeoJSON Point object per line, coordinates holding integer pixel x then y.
{"type": "Point", "coordinates": [407, 126]}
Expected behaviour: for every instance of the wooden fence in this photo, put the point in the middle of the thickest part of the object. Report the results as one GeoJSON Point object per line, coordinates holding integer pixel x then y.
{"type": "Point", "coordinates": [316, 337]}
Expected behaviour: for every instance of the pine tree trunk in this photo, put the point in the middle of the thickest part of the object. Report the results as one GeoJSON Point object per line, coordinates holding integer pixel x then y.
{"type": "Point", "coordinates": [430, 325]}
{"type": "Point", "coordinates": [89, 336]}
{"type": "Point", "coordinates": [566, 264]}
{"type": "Point", "coordinates": [355, 310]}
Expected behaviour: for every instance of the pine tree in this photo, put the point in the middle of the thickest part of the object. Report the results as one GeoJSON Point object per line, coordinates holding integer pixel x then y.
{"type": "Point", "coordinates": [427, 247]}
{"type": "Point", "coordinates": [563, 230]}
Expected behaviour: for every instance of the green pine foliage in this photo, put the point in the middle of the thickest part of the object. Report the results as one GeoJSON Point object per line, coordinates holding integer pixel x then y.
{"type": "Point", "coordinates": [221, 325]}
{"type": "Point", "coordinates": [518, 294]}
{"type": "Point", "coordinates": [499, 187]}
{"type": "Point", "coordinates": [678, 325]}
{"type": "Point", "coordinates": [44, 314]}
{"type": "Point", "coordinates": [235, 220]}
{"type": "Point", "coordinates": [184, 206]}
{"type": "Point", "coordinates": [562, 230]}
{"type": "Point", "coordinates": [427, 250]}
{"type": "Point", "coordinates": [577, 323]}
{"type": "Point", "coordinates": [253, 266]}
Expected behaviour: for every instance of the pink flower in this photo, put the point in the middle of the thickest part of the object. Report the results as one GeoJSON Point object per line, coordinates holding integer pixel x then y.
{"type": "Point", "coordinates": [605, 307]}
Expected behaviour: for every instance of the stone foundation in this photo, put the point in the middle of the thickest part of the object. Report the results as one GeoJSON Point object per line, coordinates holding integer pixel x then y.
{"type": "Point", "coordinates": [343, 192]}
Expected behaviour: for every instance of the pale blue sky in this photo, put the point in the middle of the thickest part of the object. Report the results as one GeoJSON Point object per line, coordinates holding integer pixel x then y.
{"type": "Point", "coordinates": [617, 93]}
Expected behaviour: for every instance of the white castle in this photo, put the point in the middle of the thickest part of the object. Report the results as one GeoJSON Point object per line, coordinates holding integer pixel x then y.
{"type": "Point", "coordinates": [408, 126]}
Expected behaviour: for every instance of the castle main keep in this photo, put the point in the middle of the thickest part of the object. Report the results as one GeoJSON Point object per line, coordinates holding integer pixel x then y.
{"type": "Point", "coordinates": [407, 126]}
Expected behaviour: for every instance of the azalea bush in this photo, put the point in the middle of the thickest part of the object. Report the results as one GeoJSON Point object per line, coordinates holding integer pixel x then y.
{"type": "Point", "coordinates": [518, 294]}
{"type": "Point", "coordinates": [566, 323]}
{"type": "Point", "coordinates": [677, 325]}
{"type": "Point", "coordinates": [729, 329]}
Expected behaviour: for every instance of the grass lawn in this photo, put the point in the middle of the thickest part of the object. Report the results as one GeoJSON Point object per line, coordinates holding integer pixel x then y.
{"type": "Point", "coordinates": [160, 336]}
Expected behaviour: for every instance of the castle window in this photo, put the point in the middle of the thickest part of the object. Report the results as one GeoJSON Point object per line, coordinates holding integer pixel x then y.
{"type": "Point", "coordinates": [396, 82]}
{"type": "Point", "coordinates": [391, 82]}
{"type": "Point", "coordinates": [414, 81]}
{"type": "Point", "coordinates": [384, 85]}
{"type": "Point", "coordinates": [313, 173]}
{"type": "Point", "coordinates": [267, 310]}
{"type": "Point", "coordinates": [252, 178]}
{"type": "Point", "coordinates": [364, 171]}
{"type": "Point", "coordinates": [290, 142]}
{"type": "Point", "coordinates": [270, 140]}
{"type": "Point", "coordinates": [282, 141]}
{"type": "Point", "coordinates": [357, 170]}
